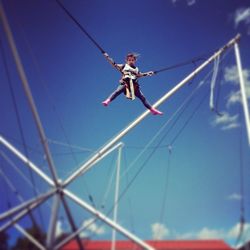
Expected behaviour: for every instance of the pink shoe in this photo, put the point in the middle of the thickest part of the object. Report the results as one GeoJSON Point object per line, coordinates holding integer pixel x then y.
{"type": "Point", "coordinates": [156, 111]}
{"type": "Point", "coordinates": [106, 102]}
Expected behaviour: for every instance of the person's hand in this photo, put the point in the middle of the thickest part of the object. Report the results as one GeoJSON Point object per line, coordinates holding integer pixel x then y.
{"type": "Point", "coordinates": [150, 73]}
{"type": "Point", "coordinates": [106, 54]}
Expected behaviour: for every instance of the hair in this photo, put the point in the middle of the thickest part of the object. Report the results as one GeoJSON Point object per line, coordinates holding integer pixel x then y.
{"type": "Point", "coordinates": [132, 54]}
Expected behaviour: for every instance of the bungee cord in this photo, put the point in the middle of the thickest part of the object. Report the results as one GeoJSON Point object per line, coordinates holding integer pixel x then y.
{"type": "Point", "coordinates": [100, 48]}
{"type": "Point", "coordinates": [156, 72]}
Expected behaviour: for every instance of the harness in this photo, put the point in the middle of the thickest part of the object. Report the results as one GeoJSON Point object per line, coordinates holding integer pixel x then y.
{"type": "Point", "coordinates": [129, 78]}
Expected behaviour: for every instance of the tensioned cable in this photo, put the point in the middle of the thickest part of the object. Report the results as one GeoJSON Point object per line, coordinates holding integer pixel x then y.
{"type": "Point", "coordinates": [20, 127]}
{"type": "Point", "coordinates": [175, 138]}
{"type": "Point", "coordinates": [80, 26]}
{"type": "Point", "coordinates": [130, 183]}
{"type": "Point", "coordinates": [188, 100]}
{"type": "Point", "coordinates": [70, 145]}
{"type": "Point", "coordinates": [42, 81]}
{"type": "Point", "coordinates": [16, 192]}
{"type": "Point", "coordinates": [154, 150]}
{"type": "Point", "coordinates": [177, 113]}
{"type": "Point", "coordinates": [201, 83]}
{"type": "Point", "coordinates": [145, 162]}
{"type": "Point", "coordinates": [99, 47]}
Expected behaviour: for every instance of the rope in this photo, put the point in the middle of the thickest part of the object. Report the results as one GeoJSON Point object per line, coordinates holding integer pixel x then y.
{"type": "Point", "coordinates": [213, 81]}
{"type": "Point", "coordinates": [80, 26]}
{"type": "Point", "coordinates": [178, 65]}
{"type": "Point", "coordinates": [69, 145]}
{"type": "Point", "coordinates": [98, 46]}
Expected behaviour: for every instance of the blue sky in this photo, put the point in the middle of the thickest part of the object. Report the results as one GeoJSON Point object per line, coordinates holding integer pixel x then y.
{"type": "Point", "coordinates": [69, 78]}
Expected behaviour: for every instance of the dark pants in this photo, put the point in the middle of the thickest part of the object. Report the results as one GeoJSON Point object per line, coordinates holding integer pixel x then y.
{"type": "Point", "coordinates": [122, 88]}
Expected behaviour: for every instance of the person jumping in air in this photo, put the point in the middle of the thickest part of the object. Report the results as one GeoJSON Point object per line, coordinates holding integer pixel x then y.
{"type": "Point", "coordinates": [129, 82]}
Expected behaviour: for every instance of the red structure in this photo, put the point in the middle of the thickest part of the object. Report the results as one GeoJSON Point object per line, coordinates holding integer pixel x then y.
{"type": "Point", "coordinates": [159, 245]}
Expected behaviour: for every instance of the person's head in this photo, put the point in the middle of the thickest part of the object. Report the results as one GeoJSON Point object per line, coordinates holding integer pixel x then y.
{"type": "Point", "coordinates": [131, 58]}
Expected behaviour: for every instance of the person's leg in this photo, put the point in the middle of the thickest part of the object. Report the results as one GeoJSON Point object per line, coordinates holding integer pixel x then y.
{"type": "Point", "coordinates": [117, 92]}
{"type": "Point", "coordinates": [139, 94]}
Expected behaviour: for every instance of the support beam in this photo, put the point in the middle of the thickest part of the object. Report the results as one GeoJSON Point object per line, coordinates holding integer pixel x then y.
{"type": "Point", "coordinates": [71, 222]}
{"type": "Point", "coordinates": [26, 161]}
{"type": "Point", "coordinates": [28, 93]}
{"type": "Point", "coordinates": [118, 137]}
{"type": "Point", "coordinates": [26, 205]}
{"type": "Point", "coordinates": [243, 90]}
{"type": "Point", "coordinates": [108, 221]}
{"type": "Point", "coordinates": [116, 199]}
{"type": "Point", "coordinates": [17, 169]}
{"type": "Point", "coordinates": [52, 224]}
{"type": "Point", "coordinates": [23, 213]}
{"type": "Point", "coordinates": [19, 197]}
{"type": "Point", "coordinates": [70, 237]}
{"type": "Point", "coordinates": [29, 237]}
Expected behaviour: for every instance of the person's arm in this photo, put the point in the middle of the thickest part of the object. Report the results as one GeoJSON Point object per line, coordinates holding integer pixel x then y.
{"type": "Point", "coordinates": [112, 62]}
{"type": "Point", "coordinates": [149, 73]}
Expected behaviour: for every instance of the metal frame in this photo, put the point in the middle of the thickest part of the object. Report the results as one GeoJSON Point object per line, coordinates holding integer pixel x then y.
{"type": "Point", "coordinates": [58, 188]}
{"type": "Point", "coordinates": [242, 90]}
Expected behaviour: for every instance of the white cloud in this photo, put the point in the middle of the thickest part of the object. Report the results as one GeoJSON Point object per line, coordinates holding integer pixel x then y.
{"type": "Point", "coordinates": [59, 229]}
{"type": "Point", "coordinates": [231, 76]}
{"type": "Point", "coordinates": [226, 121]}
{"type": "Point", "coordinates": [91, 227]}
{"type": "Point", "coordinates": [204, 234]}
{"type": "Point", "coordinates": [242, 15]}
{"type": "Point", "coordinates": [235, 232]}
{"type": "Point", "coordinates": [159, 231]}
{"type": "Point", "coordinates": [191, 2]}
{"type": "Point", "coordinates": [233, 98]}
{"type": "Point", "coordinates": [208, 233]}
{"type": "Point", "coordinates": [234, 197]}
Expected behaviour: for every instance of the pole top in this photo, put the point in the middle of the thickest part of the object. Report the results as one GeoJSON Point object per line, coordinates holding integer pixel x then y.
{"type": "Point", "coordinates": [237, 38]}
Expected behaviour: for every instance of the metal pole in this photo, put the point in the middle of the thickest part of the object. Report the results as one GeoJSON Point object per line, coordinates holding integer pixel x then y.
{"type": "Point", "coordinates": [108, 221]}
{"type": "Point", "coordinates": [28, 93]}
{"type": "Point", "coordinates": [25, 205]}
{"type": "Point", "coordinates": [29, 237]}
{"type": "Point", "coordinates": [23, 213]}
{"type": "Point", "coordinates": [14, 190]}
{"type": "Point", "coordinates": [26, 161]}
{"type": "Point", "coordinates": [72, 223]}
{"type": "Point", "coordinates": [70, 237]}
{"type": "Point", "coordinates": [13, 165]}
{"type": "Point", "coordinates": [52, 225]}
{"type": "Point", "coordinates": [160, 101]}
{"type": "Point", "coordinates": [92, 161]}
{"type": "Point", "coordinates": [243, 90]}
{"type": "Point", "coordinates": [117, 185]}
